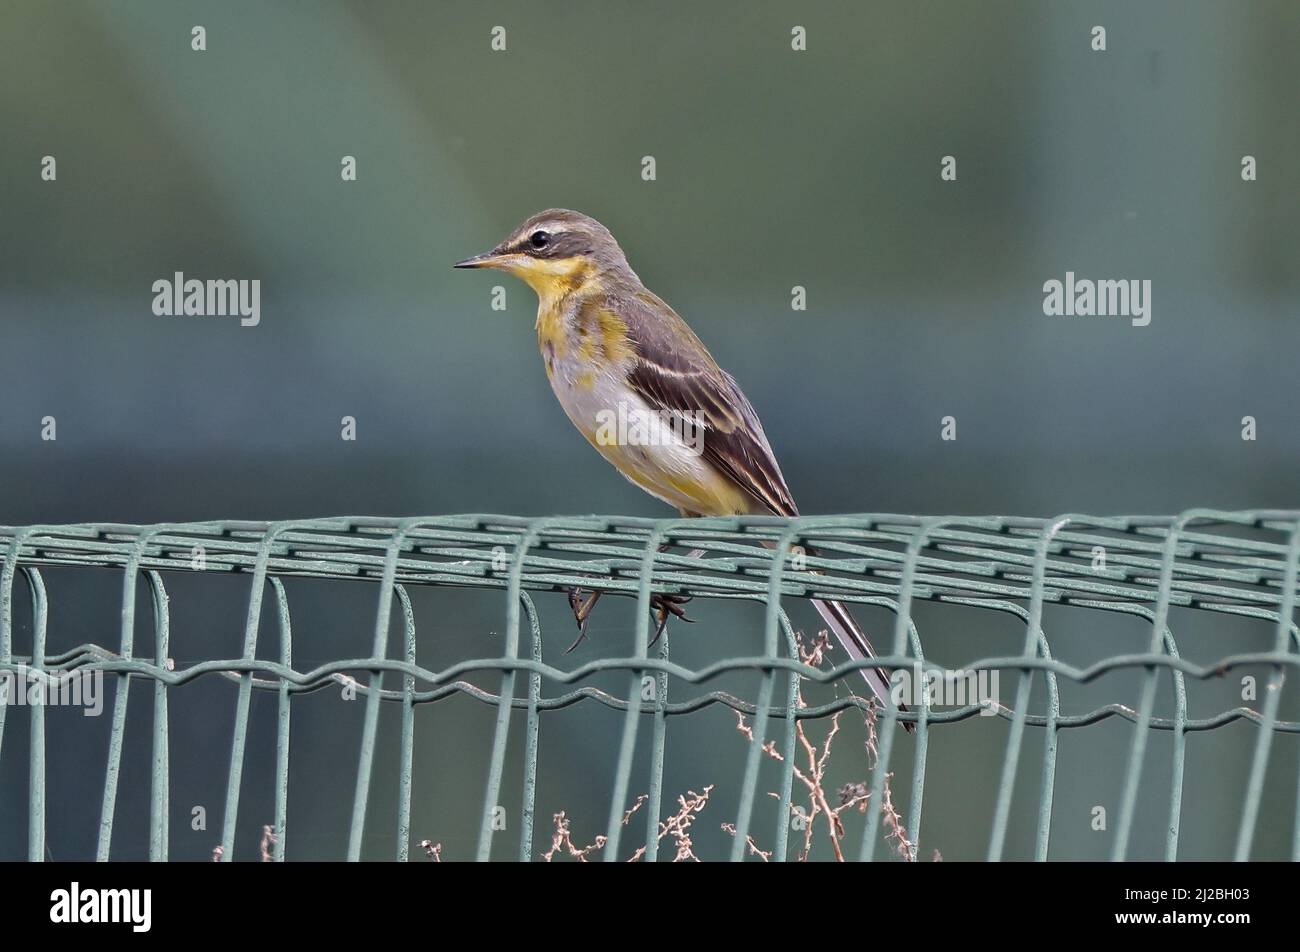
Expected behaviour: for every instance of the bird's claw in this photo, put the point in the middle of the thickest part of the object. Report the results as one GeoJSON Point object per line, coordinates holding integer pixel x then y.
{"type": "Point", "coordinates": [581, 612]}
{"type": "Point", "coordinates": [664, 606]}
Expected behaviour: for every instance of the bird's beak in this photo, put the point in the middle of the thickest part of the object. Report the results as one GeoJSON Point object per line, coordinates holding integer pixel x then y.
{"type": "Point", "coordinates": [492, 259]}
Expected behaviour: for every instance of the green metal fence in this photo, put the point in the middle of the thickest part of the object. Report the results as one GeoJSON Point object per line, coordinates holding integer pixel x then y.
{"type": "Point", "coordinates": [1240, 564]}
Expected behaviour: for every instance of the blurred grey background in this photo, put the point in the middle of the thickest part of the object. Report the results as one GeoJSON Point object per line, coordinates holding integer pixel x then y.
{"type": "Point", "coordinates": [774, 168]}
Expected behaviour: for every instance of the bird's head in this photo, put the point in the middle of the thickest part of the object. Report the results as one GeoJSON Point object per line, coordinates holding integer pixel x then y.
{"type": "Point", "coordinates": [555, 250]}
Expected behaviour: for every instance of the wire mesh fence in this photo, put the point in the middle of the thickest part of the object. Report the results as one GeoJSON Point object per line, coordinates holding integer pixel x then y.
{"type": "Point", "coordinates": [1217, 564]}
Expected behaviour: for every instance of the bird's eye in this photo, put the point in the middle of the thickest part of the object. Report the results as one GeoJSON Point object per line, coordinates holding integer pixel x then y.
{"type": "Point", "coordinates": [539, 240]}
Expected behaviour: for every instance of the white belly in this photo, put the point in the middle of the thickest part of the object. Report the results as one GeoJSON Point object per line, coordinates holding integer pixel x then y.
{"type": "Point", "coordinates": [661, 454]}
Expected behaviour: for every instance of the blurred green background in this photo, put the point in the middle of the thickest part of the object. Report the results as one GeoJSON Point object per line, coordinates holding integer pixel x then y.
{"type": "Point", "coordinates": [774, 169]}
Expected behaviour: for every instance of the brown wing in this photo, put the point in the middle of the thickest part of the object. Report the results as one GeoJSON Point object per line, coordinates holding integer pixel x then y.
{"type": "Point", "coordinates": [674, 372]}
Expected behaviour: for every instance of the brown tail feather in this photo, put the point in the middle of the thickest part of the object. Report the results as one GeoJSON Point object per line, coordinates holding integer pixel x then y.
{"type": "Point", "coordinates": [854, 640]}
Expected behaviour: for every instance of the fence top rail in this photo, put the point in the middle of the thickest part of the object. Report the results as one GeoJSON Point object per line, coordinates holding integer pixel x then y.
{"type": "Point", "coordinates": [1218, 561]}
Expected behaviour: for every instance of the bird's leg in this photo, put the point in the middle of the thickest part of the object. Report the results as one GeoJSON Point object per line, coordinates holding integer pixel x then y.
{"type": "Point", "coordinates": [662, 606]}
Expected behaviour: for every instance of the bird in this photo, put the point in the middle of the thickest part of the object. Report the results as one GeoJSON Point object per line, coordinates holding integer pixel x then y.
{"type": "Point", "coordinates": [622, 362]}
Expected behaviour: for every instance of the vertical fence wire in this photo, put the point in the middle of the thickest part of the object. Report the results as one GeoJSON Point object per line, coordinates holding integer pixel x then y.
{"type": "Point", "coordinates": [1147, 694]}
{"type": "Point", "coordinates": [243, 703]}
{"type": "Point", "coordinates": [117, 731]}
{"type": "Point", "coordinates": [1051, 738]}
{"type": "Point", "coordinates": [406, 755]}
{"type": "Point", "coordinates": [6, 634]}
{"type": "Point", "coordinates": [1034, 638]}
{"type": "Point", "coordinates": [7, 575]}
{"type": "Point", "coordinates": [496, 766]}
{"type": "Point", "coordinates": [160, 772]}
{"type": "Point", "coordinates": [658, 750]}
{"type": "Point", "coordinates": [766, 689]}
{"type": "Point", "coordinates": [1179, 757]}
{"type": "Point", "coordinates": [36, 767]}
{"type": "Point", "coordinates": [282, 713]}
{"type": "Point", "coordinates": [886, 724]}
{"type": "Point", "coordinates": [922, 746]}
{"type": "Point", "coordinates": [370, 725]}
{"type": "Point", "coordinates": [789, 748]}
{"type": "Point", "coordinates": [627, 740]}
{"type": "Point", "coordinates": [532, 731]}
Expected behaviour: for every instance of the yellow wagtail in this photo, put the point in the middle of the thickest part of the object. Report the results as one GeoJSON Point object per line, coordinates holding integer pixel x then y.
{"type": "Point", "coordinates": [643, 389]}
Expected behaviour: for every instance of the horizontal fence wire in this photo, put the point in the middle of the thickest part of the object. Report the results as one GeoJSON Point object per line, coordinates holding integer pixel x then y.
{"type": "Point", "coordinates": [1240, 564]}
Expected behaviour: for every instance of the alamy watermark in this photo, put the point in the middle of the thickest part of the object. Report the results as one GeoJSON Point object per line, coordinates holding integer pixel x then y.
{"type": "Point", "coordinates": [959, 687]}
{"type": "Point", "coordinates": [78, 904]}
{"type": "Point", "coordinates": [212, 298]}
{"type": "Point", "coordinates": [639, 426]}
{"type": "Point", "coordinates": [28, 687]}
{"type": "Point", "coordinates": [1083, 297]}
